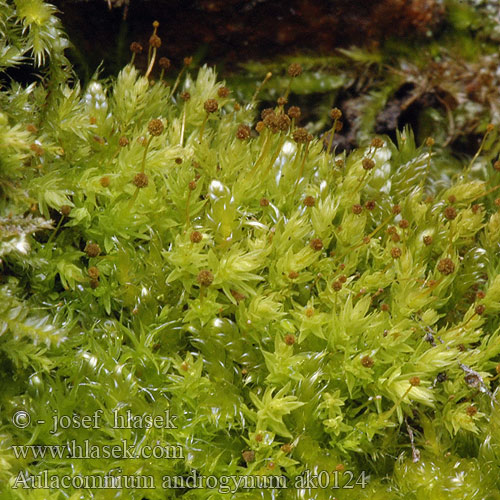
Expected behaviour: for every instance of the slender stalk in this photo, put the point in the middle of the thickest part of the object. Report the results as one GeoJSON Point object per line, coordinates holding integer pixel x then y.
{"type": "Point", "coordinates": [264, 152]}
{"type": "Point", "coordinates": [52, 236]}
{"type": "Point", "coordinates": [187, 208]}
{"type": "Point", "coordinates": [430, 143]}
{"type": "Point", "coordinates": [259, 88]}
{"type": "Point", "coordinates": [463, 325]}
{"type": "Point", "coordinates": [145, 153]}
{"type": "Point", "coordinates": [362, 179]}
{"type": "Point", "coordinates": [330, 142]}
{"type": "Point", "coordinates": [183, 125]}
{"type": "Point", "coordinates": [151, 63]}
{"type": "Point", "coordinates": [382, 225]}
{"type": "Point", "coordinates": [287, 91]}
{"type": "Point", "coordinates": [489, 129]}
{"type": "Point", "coordinates": [132, 200]}
{"type": "Point", "coordinates": [301, 171]}
{"type": "Point", "coordinates": [177, 81]}
{"type": "Point", "coordinates": [276, 154]}
{"type": "Point", "coordinates": [491, 190]}
{"type": "Point", "coordinates": [202, 129]}
{"type": "Point", "coordinates": [149, 53]}
{"type": "Point", "coordinates": [392, 410]}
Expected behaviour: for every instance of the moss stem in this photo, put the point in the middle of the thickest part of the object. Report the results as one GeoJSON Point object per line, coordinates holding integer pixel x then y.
{"type": "Point", "coordinates": [489, 129]}
{"type": "Point", "coordinates": [301, 170]}
{"type": "Point", "coordinates": [52, 236]}
{"type": "Point", "coordinates": [183, 125]}
{"type": "Point", "coordinates": [177, 81]}
{"type": "Point", "coordinates": [259, 88]}
{"type": "Point", "coordinates": [145, 153]}
{"type": "Point", "coordinates": [332, 135]}
{"type": "Point", "coordinates": [202, 129]}
{"type": "Point", "coordinates": [151, 63]}
{"type": "Point", "coordinates": [187, 208]}
{"type": "Point", "coordinates": [276, 154]}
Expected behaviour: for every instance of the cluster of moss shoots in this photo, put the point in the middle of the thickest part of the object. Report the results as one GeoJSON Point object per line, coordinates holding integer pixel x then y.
{"type": "Point", "coordinates": [296, 308]}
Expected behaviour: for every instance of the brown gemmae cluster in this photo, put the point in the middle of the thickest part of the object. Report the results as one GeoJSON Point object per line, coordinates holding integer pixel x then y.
{"type": "Point", "coordinates": [155, 127]}
{"type": "Point", "coordinates": [274, 121]}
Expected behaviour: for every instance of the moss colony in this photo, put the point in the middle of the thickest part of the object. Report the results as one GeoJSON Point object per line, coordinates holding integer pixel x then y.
{"type": "Point", "coordinates": [190, 290]}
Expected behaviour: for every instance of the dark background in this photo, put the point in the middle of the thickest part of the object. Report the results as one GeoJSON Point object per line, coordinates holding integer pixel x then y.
{"type": "Point", "coordinates": [226, 32]}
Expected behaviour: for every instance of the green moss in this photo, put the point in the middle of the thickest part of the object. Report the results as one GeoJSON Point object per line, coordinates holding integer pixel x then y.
{"type": "Point", "coordinates": [292, 337]}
